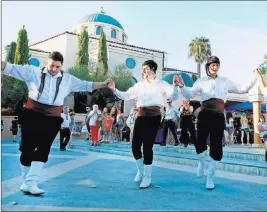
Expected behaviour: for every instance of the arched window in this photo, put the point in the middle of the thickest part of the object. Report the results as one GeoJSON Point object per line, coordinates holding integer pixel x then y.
{"type": "Point", "coordinates": [113, 33]}
{"type": "Point", "coordinates": [98, 30]}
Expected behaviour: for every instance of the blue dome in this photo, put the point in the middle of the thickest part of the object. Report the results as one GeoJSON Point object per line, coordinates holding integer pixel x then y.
{"type": "Point", "coordinates": [187, 79]}
{"type": "Point", "coordinates": [101, 18]}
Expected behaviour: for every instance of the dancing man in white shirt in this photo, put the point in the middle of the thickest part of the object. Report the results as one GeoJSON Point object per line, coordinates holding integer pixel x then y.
{"type": "Point", "coordinates": [213, 90]}
{"type": "Point", "coordinates": [150, 94]}
{"type": "Point", "coordinates": [41, 119]}
{"type": "Point", "coordinates": [65, 129]}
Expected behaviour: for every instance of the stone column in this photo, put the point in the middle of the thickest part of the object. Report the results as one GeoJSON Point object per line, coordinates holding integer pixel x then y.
{"type": "Point", "coordinates": [256, 97]}
{"type": "Point", "coordinates": [256, 117]}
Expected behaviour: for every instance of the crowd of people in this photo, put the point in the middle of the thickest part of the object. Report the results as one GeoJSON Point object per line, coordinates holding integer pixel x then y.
{"type": "Point", "coordinates": [42, 117]}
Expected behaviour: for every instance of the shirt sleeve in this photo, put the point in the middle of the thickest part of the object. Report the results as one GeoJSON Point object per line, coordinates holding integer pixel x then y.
{"type": "Point", "coordinates": [77, 85]}
{"type": "Point", "coordinates": [131, 93]}
{"type": "Point", "coordinates": [241, 89]}
{"type": "Point", "coordinates": [190, 93]}
{"type": "Point", "coordinates": [20, 72]}
{"type": "Point", "coordinates": [171, 91]}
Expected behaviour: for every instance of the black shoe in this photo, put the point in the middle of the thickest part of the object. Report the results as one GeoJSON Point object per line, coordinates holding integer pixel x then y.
{"type": "Point", "coordinates": [176, 144]}
{"type": "Point", "coordinates": [162, 144]}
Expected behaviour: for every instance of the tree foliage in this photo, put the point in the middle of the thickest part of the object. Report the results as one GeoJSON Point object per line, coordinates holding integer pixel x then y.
{"type": "Point", "coordinates": [11, 52]}
{"type": "Point", "coordinates": [83, 54]}
{"type": "Point", "coordinates": [102, 59]}
{"type": "Point", "coordinates": [104, 96]}
{"type": "Point", "coordinates": [14, 92]}
{"type": "Point", "coordinates": [200, 50]}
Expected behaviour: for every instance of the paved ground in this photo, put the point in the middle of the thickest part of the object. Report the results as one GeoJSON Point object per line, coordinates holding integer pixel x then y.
{"type": "Point", "coordinates": [75, 180]}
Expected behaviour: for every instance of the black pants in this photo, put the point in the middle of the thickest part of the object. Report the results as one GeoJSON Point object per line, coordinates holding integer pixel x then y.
{"type": "Point", "coordinates": [187, 125]}
{"type": "Point", "coordinates": [145, 131]}
{"type": "Point", "coordinates": [37, 135]}
{"type": "Point", "coordinates": [210, 123]}
{"type": "Point", "coordinates": [169, 124]}
{"type": "Point", "coordinates": [64, 133]}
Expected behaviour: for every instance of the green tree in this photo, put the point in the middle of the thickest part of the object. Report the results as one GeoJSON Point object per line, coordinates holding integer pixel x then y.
{"type": "Point", "coordinates": [103, 96]}
{"type": "Point", "coordinates": [18, 94]}
{"type": "Point", "coordinates": [263, 66]}
{"type": "Point", "coordinates": [83, 55]}
{"type": "Point", "coordinates": [11, 52]}
{"type": "Point", "coordinates": [22, 50]}
{"type": "Point", "coordinates": [102, 55]}
{"type": "Point", "coordinates": [200, 49]}
{"type": "Point", "coordinates": [7, 81]}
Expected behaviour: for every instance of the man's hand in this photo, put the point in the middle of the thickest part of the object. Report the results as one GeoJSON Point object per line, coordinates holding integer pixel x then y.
{"type": "Point", "coordinates": [257, 73]}
{"type": "Point", "coordinates": [180, 81]}
{"type": "Point", "coordinates": [111, 85]}
{"type": "Point", "coordinates": [106, 82]}
{"type": "Point", "coordinates": [175, 80]}
{"type": "Point", "coordinates": [3, 65]}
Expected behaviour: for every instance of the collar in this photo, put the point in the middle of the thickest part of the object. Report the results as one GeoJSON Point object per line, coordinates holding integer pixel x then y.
{"type": "Point", "coordinates": [208, 77]}
{"type": "Point", "coordinates": [56, 76]}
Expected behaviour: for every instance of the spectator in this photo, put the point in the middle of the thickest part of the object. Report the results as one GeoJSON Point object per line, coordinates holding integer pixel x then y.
{"type": "Point", "coordinates": [14, 128]}
{"type": "Point", "coordinates": [120, 124]}
{"type": "Point", "coordinates": [108, 121]}
{"type": "Point", "coordinates": [94, 124]}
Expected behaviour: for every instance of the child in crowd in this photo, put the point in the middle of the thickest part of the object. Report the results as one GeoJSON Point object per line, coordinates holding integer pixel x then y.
{"type": "Point", "coordinates": [108, 121]}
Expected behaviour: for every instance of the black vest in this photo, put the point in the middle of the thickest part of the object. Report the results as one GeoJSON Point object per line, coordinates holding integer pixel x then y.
{"type": "Point", "coordinates": [41, 88]}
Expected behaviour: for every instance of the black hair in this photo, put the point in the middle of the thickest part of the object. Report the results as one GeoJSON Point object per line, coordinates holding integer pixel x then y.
{"type": "Point", "coordinates": [210, 60]}
{"type": "Point", "coordinates": [152, 65]}
{"type": "Point", "coordinates": [56, 56]}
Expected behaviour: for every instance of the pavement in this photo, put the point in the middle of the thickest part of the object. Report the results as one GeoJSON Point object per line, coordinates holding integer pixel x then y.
{"type": "Point", "coordinates": [76, 180]}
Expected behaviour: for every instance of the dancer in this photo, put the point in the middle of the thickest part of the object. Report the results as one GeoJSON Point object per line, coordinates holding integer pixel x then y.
{"type": "Point", "coordinates": [40, 119]}
{"type": "Point", "coordinates": [213, 90]}
{"type": "Point", "coordinates": [170, 117]}
{"type": "Point", "coordinates": [187, 123]}
{"type": "Point", "coordinates": [150, 95]}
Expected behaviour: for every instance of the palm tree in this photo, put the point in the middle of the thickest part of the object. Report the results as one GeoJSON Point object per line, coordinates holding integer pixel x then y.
{"type": "Point", "coordinates": [200, 49]}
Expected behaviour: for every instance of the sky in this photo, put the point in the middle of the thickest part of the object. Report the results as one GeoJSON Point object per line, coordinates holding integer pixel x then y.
{"type": "Point", "coordinates": [237, 30]}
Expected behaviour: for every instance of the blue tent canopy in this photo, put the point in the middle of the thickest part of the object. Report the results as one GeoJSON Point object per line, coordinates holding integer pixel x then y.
{"type": "Point", "coordinates": [244, 106]}
{"type": "Point", "coordinates": [187, 79]}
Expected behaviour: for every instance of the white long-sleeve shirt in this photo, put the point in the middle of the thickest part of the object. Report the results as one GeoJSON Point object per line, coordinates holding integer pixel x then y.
{"type": "Point", "coordinates": [149, 93]}
{"type": "Point", "coordinates": [66, 122]}
{"type": "Point", "coordinates": [218, 88]}
{"type": "Point", "coordinates": [32, 76]}
{"type": "Point", "coordinates": [171, 113]}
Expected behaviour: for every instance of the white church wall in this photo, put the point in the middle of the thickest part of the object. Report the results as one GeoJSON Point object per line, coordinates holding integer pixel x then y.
{"type": "Point", "coordinates": [71, 50]}
{"type": "Point", "coordinates": [40, 56]}
{"type": "Point", "coordinates": [58, 43]}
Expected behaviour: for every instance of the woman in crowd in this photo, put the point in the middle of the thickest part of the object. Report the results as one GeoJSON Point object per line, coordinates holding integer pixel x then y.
{"type": "Point", "coordinates": [120, 124]}
{"type": "Point", "coordinates": [244, 128]}
{"type": "Point", "coordinates": [94, 124]}
{"type": "Point", "coordinates": [102, 118]}
{"type": "Point", "coordinates": [229, 127]}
